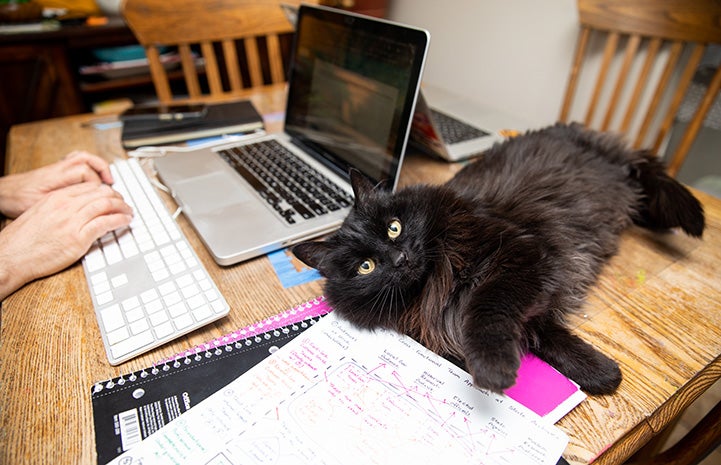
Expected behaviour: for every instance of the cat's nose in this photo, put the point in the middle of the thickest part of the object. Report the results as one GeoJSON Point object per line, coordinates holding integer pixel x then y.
{"type": "Point", "coordinates": [398, 257]}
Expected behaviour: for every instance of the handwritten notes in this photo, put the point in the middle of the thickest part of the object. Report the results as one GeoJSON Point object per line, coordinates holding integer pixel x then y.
{"type": "Point", "coordinates": [339, 395]}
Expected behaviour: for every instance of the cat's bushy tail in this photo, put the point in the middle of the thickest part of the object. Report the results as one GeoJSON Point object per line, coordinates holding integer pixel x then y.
{"type": "Point", "coordinates": [666, 203]}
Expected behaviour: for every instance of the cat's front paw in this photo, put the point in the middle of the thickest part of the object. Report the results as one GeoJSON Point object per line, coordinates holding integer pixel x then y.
{"type": "Point", "coordinates": [496, 375]}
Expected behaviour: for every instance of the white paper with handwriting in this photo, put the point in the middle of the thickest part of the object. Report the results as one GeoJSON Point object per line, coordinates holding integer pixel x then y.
{"type": "Point", "coordinates": [336, 395]}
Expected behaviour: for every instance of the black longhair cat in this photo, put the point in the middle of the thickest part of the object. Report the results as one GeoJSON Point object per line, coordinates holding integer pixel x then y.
{"type": "Point", "coordinates": [484, 267]}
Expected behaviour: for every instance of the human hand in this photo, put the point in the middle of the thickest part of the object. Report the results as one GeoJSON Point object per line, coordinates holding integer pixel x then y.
{"type": "Point", "coordinates": [20, 191]}
{"type": "Point", "coordinates": [57, 231]}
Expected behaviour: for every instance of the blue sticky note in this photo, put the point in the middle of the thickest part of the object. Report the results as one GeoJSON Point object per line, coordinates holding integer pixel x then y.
{"type": "Point", "coordinates": [291, 271]}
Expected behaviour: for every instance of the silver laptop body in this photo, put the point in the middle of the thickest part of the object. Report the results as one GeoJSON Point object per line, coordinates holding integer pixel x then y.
{"type": "Point", "coordinates": [484, 126]}
{"type": "Point", "coordinates": [352, 88]}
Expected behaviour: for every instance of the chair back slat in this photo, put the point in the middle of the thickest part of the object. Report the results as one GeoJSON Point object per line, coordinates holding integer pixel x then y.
{"type": "Point", "coordinates": [608, 53]}
{"type": "Point", "coordinates": [211, 68]}
{"type": "Point", "coordinates": [230, 52]}
{"type": "Point", "coordinates": [275, 59]}
{"type": "Point", "coordinates": [628, 58]}
{"type": "Point", "coordinates": [651, 53]}
{"type": "Point", "coordinates": [677, 98]}
{"type": "Point", "coordinates": [187, 60]}
{"type": "Point", "coordinates": [253, 57]}
{"type": "Point", "coordinates": [581, 45]}
{"type": "Point", "coordinates": [658, 94]}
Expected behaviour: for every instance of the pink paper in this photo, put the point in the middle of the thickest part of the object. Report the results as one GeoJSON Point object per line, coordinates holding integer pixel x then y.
{"type": "Point", "coordinates": [540, 387]}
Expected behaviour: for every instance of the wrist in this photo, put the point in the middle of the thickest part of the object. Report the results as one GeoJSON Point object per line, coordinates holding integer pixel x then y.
{"type": "Point", "coordinates": [8, 282]}
{"type": "Point", "coordinates": [10, 202]}
{"type": "Point", "coordinates": [5, 195]}
{"type": "Point", "coordinates": [12, 274]}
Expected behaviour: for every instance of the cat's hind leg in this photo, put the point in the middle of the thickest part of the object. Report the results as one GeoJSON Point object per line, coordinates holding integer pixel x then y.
{"type": "Point", "coordinates": [569, 354]}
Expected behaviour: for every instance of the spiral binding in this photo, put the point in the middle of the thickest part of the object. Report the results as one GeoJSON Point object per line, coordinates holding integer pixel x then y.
{"type": "Point", "coordinates": [301, 316]}
{"type": "Point", "coordinates": [313, 307]}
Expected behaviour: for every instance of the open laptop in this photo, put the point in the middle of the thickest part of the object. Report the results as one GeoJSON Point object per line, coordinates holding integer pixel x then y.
{"type": "Point", "coordinates": [455, 128]}
{"type": "Point", "coordinates": [352, 88]}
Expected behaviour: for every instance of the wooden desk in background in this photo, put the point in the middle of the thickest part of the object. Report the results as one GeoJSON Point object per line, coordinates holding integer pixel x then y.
{"type": "Point", "coordinates": [656, 310]}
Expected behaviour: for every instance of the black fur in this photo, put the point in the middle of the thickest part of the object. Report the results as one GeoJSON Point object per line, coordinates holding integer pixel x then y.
{"type": "Point", "coordinates": [487, 266]}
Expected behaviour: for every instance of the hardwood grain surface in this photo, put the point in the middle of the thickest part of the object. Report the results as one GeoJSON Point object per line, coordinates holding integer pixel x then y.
{"type": "Point", "coordinates": [655, 309]}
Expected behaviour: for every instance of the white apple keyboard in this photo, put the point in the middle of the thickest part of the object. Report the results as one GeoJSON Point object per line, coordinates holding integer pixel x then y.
{"type": "Point", "coordinates": [147, 284]}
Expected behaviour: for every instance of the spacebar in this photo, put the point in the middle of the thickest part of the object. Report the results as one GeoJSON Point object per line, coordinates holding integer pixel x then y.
{"type": "Point", "coordinates": [131, 344]}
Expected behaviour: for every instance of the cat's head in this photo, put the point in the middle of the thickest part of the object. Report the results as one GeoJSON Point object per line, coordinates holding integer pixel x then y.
{"type": "Point", "coordinates": [379, 259]}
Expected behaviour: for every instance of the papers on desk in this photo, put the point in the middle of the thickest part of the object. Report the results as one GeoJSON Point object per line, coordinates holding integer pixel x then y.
{"type": "Point", "coordinates": [339, 395]}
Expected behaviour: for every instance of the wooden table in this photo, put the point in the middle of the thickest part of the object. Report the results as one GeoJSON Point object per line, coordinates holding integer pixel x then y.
{"type": "Point", "coordinates": [656, 310]}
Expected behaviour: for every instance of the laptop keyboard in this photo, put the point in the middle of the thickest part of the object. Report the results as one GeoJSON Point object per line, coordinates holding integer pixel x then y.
{"type": "Point", "coordinates": [453, 130]}
{"type": "Point", "coordinates": [295, 190]}
{"type": "Point", "coordinates": [147, 284]}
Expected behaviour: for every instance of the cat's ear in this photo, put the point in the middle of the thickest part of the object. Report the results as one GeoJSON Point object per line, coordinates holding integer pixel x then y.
{"type": "Point", "coordinates": [362, 186]}
{"type": "Point", "coordinates": [312, 254]}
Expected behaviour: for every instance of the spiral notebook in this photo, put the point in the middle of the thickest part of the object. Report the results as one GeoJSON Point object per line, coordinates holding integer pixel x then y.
{"type": "Point", "coordinates": [129, 408]}
{"type": "Point", "coordinates": [339, 394]}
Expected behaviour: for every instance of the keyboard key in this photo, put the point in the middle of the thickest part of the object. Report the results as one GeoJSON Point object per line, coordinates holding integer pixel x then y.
{"type": "Point", "coordinates": [183, 321]}
{"type": "Point", "coordinates": [139, 326]}
{"type": "Point", "coordinates": [134, 315]}
{"type": "Point", "coordinates": [202, 312]}
{"type": "Point", "coordinates": [157, 318]}
{"type": "Point", "coordinates": [118, 335]}
{"type": "Point", "coordinates": [130, 303]}
{"type": "Point", "coordinates": [101, 287]}
{"type": "Point", "coordinates": [149, 295]}
{"type": "Point", "coordinates": [195, 301]}
{"type": "Point", "coordinates": [161, 275]}
{"type": "Point", "coordinates": [176, 310]}
{"type": "Point", "coordinates": [104, 298]}
{"type": "Point", "coordinates": [94, 259]}
{"type": "Point", "coordinates": [172, 298]}
{"type": "Point", "coordinates": [112, 252]}
{"type": "Point", "coordinates": [166, 288]}
{"type": "Point", "coordinates": [164, 330]}
{"type": "Point", "coordinates": [190, 290]}
{"type": "Point", "coordinates": [218, 306]}
{"type": "Point", "coordinates": [154, 306]}
{"type": "Point", "coordinates": [119, 280]}
{"type": "Point", "coordinates": [112, 318]}
{"type": "Point", "coordinates": [184, 281]}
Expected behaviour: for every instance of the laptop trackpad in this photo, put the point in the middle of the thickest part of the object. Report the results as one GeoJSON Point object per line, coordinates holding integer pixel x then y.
{"type": "Point", "coordinates": [211, 192]}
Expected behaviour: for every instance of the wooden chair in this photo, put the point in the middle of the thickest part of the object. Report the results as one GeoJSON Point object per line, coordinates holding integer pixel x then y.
{"type": "Point", "coordinates": [638, 34]}
{"type": "Point", "coordinates": [227, 48]}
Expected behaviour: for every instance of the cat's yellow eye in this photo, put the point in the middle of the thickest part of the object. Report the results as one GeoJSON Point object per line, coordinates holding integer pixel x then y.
{"type": "Point", "coordinates": [366, 267]}
{"type": "Point", "coordinates": [394, 229]}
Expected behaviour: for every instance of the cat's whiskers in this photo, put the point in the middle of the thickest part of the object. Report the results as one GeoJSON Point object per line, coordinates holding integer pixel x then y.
{"type": "Point", "coordinates": [380, 298]}
{"type": "Point", "coordinates": [387, 303]}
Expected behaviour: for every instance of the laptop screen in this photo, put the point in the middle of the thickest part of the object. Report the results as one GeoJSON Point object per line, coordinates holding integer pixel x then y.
{"type": "Point", "coordinates": [353, 85]}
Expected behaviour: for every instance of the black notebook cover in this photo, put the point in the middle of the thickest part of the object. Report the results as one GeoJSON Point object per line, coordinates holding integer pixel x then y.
{"type": "Point", "coordinates": [221, 118]}
{"type": "Point", "coordinates": [131, 407]}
